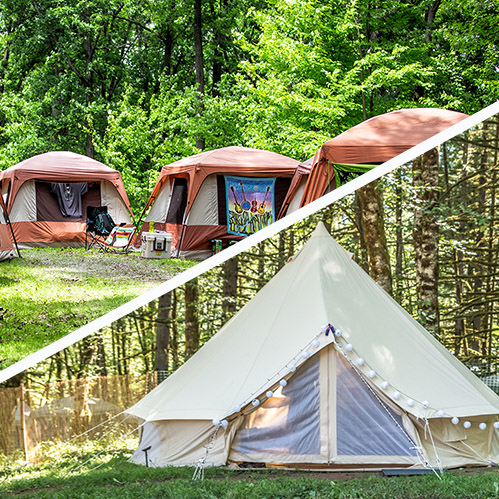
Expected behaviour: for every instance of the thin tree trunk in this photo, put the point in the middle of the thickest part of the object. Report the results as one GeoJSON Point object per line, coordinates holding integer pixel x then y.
{"type": "Point", "coordinates": [162, 345]}
{"type": "Point", "coordinates": [174, 333]}
{"type": "Point", "coordinates": [191, 318]}
{"type": "Point", "coordinates": [399, 240]}
{"type": "Point", "coordinates": [459, 324]}
{"type": "Point", "coordinates": [199, 59]}
{"type": "Point", "coordinates": [229, 302]}
{"type": "Point", "coordinates": [362, 258]}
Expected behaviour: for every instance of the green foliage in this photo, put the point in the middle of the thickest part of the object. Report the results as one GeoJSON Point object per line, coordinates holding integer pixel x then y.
{"type": "Point", "coordinates": [116, 79]}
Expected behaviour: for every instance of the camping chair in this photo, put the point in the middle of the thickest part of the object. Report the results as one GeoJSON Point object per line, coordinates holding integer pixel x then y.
{"type": "Point", "coordinates": [119, 239]}
{"type": "Point", "coordinates": [99, 226]}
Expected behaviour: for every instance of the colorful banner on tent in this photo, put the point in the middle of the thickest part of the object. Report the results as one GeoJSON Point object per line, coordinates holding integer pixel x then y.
{"type": "Point", "coordinates": [250, 204]}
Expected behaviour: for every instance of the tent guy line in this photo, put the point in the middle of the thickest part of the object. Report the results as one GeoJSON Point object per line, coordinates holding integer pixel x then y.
{"type": "Point", "coordinates": [247, 243]}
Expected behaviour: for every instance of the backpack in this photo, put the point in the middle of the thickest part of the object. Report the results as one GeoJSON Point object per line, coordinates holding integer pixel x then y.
{"type": "Point", "coordinates": [103, 223]}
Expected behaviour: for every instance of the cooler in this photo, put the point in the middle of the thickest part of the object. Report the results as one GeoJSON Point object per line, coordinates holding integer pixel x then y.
{"type": "Point", "coordinates": [156, 245]}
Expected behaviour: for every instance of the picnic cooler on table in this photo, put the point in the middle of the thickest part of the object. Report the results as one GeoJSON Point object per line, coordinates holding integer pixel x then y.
{"type": "Point", "coordinates": [156, 244]}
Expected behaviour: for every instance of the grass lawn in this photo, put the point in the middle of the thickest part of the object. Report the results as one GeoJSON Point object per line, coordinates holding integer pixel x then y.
{"type": "Point", "coordinates": [50, 292]}
{"type": "Point", "coordinates": [110, 475]}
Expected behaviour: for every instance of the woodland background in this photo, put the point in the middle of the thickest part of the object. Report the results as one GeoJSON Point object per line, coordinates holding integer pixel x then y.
{"type": "Point", "coordinates": [138, 84]}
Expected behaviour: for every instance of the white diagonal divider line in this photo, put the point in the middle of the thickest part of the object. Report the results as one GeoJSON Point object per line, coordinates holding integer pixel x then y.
{"type": "Point", "coordinates": [247, 243]}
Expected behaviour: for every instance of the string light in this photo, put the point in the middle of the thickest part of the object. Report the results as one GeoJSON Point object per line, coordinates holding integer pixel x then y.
{"type": "Point", "coordinates": [496, 424]}
{"type": "Point", "coordinates": [385, 384]}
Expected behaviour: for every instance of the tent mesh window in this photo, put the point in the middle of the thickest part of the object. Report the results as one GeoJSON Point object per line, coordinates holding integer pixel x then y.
{"type": "Point", "coordinates": [363, 425]}
{"type": "Point", "coordinates": [289, 422]}
{"type": "Point", "coordinates": [492, 382]}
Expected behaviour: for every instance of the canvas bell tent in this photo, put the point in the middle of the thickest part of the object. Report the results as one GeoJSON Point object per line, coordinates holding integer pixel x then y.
{"type": "Point", "coordinates": [373, 142]}
{"type": "Point", "coordinates": [321, 368]}
{"type": "Point", "coordinates": [224, 194]}
{"type": "Point", "coordinates": [6, 235]}
{"type": "Point", "coordinates": [47, 197]}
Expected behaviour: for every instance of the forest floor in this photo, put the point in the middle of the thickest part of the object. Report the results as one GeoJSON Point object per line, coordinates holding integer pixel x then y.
{"type": "Point", "coordinates": [51, 292]}
{"type": "Point", "coordinates": [80, 472]}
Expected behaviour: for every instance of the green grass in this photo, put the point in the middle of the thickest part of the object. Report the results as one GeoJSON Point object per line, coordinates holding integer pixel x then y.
{"type": "Point", "coordinates": [51, 292]}
{"type": "Point", "coordinates": [110, 475]}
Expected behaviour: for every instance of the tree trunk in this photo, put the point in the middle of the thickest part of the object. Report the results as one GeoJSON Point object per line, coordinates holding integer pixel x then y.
{"type": "Point", "coordinates": [373, 231]}
{"type": "Point", "coordinates": [229, 303]}
{"type": "Point", "coordinates": [174, 333]}
{"type": "Point", "coordinates": [191, 318]}
{"type": "Point", "coordinates": [457, 253]}
{"type": "Point", "coordinates": [163, 333]}
{"type": "Point", "coordinates": [430, 17]}
{"type": "Point", "coordinates": [425, 236]}
{"type": "Point", "coordinates": [199, 58]}
{"type": "Point", "coordinates": [362, 258]}
{"type": "Point", "coordinates": [101, 356]}
{"type": "Point", "coordinates": [480, 311]}
{"type": "Point", "coordinates": [399, 240]}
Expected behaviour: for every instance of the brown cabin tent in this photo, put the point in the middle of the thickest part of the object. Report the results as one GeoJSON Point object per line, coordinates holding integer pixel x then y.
{"type": "Point", "coordinates": [7, 250]}
{"type": "Point", "coordinates": [375, 141]}
{"type": "Point", "coordinates": [223, 194]}
{"type": "Point", "coordinates": [35, 210]}
{"type": "Point", "coordinates": [321, 368]}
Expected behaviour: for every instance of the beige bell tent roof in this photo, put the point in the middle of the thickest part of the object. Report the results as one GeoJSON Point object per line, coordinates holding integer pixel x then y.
{"type": "Point", "coordinates": [322, 285]}
{"type": "Point", "coordinates": [376, 140]}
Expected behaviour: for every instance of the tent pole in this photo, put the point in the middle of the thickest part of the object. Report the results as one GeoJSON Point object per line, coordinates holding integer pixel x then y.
{"type": "Point", "coordinates": [7, 219]}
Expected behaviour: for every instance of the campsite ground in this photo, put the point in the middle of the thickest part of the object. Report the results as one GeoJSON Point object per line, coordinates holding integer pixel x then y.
{"type": "Point", "coordinates": [110, 475]}
{"type": "Point", "coordinates": [50, 292]}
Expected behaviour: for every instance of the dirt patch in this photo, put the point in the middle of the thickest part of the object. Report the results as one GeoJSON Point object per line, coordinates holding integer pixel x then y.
{"type": "Point", "coordinates": [73, 265]}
